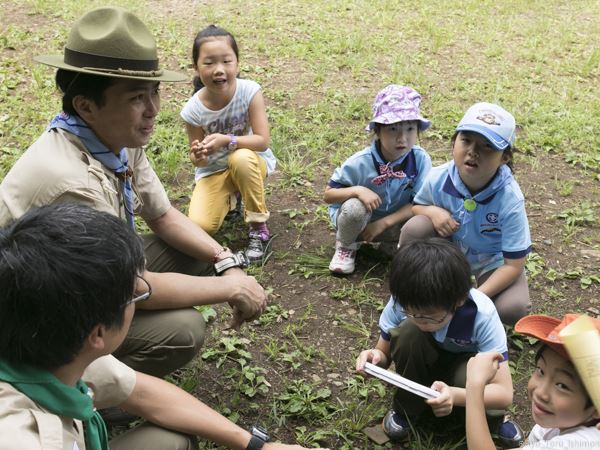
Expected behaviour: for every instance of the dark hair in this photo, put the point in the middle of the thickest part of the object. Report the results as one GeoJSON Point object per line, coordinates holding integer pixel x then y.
{"type": "Point", "coordinates": [430, 273]}
{"type": "Point", "coordinates": [538, 354]}
{"type": "Point", "coordinates": [90, 86]}
{"type": "Point", "coordinates": [64, 269]}
{"type": "Point", "coordinates": [209, 33]}
{"type": "Point", "coordinates": [508, 152]}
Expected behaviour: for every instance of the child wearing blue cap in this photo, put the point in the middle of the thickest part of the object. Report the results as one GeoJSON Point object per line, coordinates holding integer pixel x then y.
{"type": "Point", "coordinates": [370, 195]}
{"type": "Point", "coordinates": [475, 201]}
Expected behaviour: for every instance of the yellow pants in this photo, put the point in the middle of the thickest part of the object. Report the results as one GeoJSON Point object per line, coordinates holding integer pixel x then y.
{"type": "Point", "coordinates": [212, 196]}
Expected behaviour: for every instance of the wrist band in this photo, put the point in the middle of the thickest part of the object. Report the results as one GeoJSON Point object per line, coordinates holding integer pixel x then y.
{"type": "Point", "coordinates": [219, 253]}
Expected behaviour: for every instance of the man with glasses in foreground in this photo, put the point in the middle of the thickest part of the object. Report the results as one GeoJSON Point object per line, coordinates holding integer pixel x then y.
{"type": "Point", "coordinates": [433, 323]}
{"type": "Point", "coordinates": [70, 280]}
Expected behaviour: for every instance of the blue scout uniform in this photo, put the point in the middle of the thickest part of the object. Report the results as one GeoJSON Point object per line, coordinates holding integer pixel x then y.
{"type": "Point", "coordinates": [493, 222]}
{"type": "Point", "coordinates": [475, 326]}
{"type": "Point", "coordinates": [396, 182]}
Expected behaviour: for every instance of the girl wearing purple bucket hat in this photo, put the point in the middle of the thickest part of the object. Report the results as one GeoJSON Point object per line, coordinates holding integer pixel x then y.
{"type": "Point", "coordinates": [370, 194]}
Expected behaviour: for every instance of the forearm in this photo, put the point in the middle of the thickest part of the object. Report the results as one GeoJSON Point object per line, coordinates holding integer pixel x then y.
{"type": "Point", "coordinates": [478, 435]}
{"type": "Point", "coordinates": [402, 215]}
{"type": "Point", "coordinates": [424, 210]}
{"type": "Point", "coordinates": [253, 142]}
{"type": "Point", "coordinates": [170, 407]}
{"type": "Point", "coordinates": [340, 195]}
{"type": "Point", "coordinates": [175, 290]}
{"type": "Point", "coordinates": [497, 394]}
{"type": "Point", "coordinates": [181, 233]}
{"type": "Point", "coordinates": [384, 347]}
{"type": "Point", "coordinates": [494, 397]}
{"type": "Point", "coordinates": [502, 277]}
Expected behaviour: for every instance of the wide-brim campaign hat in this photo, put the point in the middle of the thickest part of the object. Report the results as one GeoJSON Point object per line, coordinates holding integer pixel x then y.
{"type": "Point", "coordinates": [495, 123]}
{"type": "Point", "coordinates": [111, 42]}
{"type": "Point", "coordinates": [547, 329]}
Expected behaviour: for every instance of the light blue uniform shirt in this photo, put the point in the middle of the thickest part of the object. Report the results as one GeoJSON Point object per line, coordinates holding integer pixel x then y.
{"type": "Point", "coordinates": [496, 229]}
{"type": "Point", "coordinates": [395, 190]}
{"type": "Point", "coordinates": [474, 328]}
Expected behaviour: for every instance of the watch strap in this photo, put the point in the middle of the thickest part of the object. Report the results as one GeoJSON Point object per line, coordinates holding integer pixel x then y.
{"type": "Point", "coordinates": [255, 443]}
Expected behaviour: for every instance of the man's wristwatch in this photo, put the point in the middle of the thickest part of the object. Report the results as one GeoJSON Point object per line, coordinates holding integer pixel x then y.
{"type": "Point", "coordinates": [238, 259]}
{"type": "Point", "coordinates": [258, 439]}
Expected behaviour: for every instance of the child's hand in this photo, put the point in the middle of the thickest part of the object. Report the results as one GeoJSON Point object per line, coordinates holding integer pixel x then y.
{"type": "Point", "coordinates": [368, 198]}
{"type": "Point", "coordinates": [482, 367]}
{"type": "Point", "coordinates": [198, 154]}
{"type": "Point", "coordinates": [443, 223]}
{"type": "Point", "coordinates": [214, 142]}
{"type": "Point", "coordinates": [373, 229]}
{"type": "Point", "coordinates": [442, 405]}
{"type": "Point", "coordinates": [374, 356]}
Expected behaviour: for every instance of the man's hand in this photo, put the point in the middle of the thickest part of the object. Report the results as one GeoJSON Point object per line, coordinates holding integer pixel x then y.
{"type": "Point", "coordinates": [443, 222]}
{"type": "Point", "coordinates": [482, 368]}
{"type": "Point", "coordinates": [442, 405]}
{"type": "Point", "coordinates": [368, 198]}
{"type": "Point", "coordinates": [248, 298]}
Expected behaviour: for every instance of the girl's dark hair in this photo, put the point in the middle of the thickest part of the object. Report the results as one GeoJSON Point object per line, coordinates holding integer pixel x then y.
{"type": "Point", "coordinates": [508, 152]}
{"type": "Point", "coordinates": [430, 273]}
{"type": "Point", "coordinates": [90, 86]}
{"type": "Point", "coordinates": [209, 33]}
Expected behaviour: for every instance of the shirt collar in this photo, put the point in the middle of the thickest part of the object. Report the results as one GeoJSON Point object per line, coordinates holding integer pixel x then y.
{"type": "Point", "coordinates": [406, 163]}
{"type": "Point", "coordinates": [463, 322]}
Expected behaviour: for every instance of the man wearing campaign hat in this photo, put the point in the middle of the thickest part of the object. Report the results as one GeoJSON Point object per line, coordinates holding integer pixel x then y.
{"type": "Point", "coordinates": [91, 153]}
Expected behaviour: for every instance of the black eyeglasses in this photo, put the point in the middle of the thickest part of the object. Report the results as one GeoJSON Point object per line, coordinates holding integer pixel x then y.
{"type": "Point", "coordinates": [427, 319]}
{"type": "Point", "coordinates": [141, 297]}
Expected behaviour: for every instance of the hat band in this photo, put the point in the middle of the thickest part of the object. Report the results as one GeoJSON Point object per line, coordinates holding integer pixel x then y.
{"type": "Point", "coordinates": [108, 63]}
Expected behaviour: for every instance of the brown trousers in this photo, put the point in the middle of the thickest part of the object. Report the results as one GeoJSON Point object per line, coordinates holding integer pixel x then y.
{"type": "Point", "coordinates": [161, 341]}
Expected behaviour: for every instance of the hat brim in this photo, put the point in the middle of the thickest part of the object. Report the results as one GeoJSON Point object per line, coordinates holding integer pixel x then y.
{"type": "Point", "coordinates": [495, 139]}
{"type": "Point", "coordinates": [540, 327]}
{"type": "Point", "coordinates": [58, 62]}
{"type": "Point", "coordinates": [423, 123]}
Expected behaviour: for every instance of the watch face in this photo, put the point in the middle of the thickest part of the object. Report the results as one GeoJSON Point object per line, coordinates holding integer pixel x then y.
{"type": "Point", "coordinates": [260, 433]}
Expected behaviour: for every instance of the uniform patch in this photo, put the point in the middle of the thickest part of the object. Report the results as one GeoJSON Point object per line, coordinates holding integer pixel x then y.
{"type": "Point", "coordinates": [491, 217]}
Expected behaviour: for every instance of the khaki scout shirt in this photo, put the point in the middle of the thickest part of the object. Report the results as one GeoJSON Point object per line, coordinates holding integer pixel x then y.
{"type": "Point", "coordinates": [26, 425]}
{"type": "Point", "coordinates": [58, 169]}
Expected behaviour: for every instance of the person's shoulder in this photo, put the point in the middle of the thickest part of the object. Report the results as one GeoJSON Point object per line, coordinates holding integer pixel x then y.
{"type": "Point", "coordinates": [358, 157]}
{"type": "Point", "coordinates": [420, 152]}
{"type": "Point", "coordinates": [485, 305]}
{"type": "Point", "coordinates": [247, 88]}
{"type": "Point", "coordinates": [20, 419]}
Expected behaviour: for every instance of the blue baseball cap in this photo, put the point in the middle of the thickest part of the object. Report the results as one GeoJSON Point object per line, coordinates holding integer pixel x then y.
{"type": "Point", "coordinates": [491, 121]}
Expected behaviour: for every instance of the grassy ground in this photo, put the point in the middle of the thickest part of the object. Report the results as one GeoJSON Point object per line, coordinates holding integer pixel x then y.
{"type": "Point", "coordinates": [320, 64]}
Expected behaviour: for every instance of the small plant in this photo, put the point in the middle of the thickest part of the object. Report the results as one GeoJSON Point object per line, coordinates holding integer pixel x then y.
{"type": "Point", "coordinates": [535, 264]}
{"type": "Point", "coordinates": [304, 401]}
{"type": "Point", "coordinates": [275, 313]}
{"type": "Point", "coordinates": [580, 215]}
{"type": "Point", "coordinates": [230, 347]}
{"type": "Point", "coordinates": [251, 380]}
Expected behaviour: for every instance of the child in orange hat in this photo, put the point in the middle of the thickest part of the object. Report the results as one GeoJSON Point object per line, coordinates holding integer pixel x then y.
{"type": "Point", "coordinates": [561, 406]}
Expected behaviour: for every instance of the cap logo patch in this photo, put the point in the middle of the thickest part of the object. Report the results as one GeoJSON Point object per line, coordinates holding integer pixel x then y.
{"type": "Point", "coordinates": [488, 118]}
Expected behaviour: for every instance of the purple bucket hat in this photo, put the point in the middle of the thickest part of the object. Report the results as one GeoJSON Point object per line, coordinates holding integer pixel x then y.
{"type": "Point", "coordinates": [396, 103]}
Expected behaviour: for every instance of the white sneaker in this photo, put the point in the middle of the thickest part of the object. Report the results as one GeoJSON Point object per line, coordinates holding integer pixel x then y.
{"type": "Point", "coordinates": [343, 258]}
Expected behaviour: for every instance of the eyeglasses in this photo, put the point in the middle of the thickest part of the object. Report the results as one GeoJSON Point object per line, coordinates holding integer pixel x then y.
{"type": "Point", "coordinates": [142, 297]}
{"type": "Point", "coordinates": [427, 319]}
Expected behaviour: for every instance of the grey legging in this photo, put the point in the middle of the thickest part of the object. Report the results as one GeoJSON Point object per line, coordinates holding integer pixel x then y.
{"type": "Point", "coordinates": [352, 219]}
{"type": "Point", "coordinates": [512, 303]}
